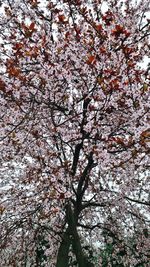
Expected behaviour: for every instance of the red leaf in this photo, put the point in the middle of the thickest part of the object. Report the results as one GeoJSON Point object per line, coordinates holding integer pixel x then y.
{"type": "Point", "coordinates": [61, 18]}
{"type": "Point", "coordinates": [18, 46]}
{"type": "Point", "coordinates": [91, 59]}
{"type": "Point", "coordinates": [2, 85]}
{"type": "Point", "coordinates": [99, 27]}
{"type": "Point", "coordinates": [61, 196]}
{"type": "Point", "coordinates": [32, 26]}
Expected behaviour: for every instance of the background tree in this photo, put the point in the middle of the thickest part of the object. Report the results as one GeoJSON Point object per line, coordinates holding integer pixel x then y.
{"type": "Point", "coordinates": [74, 132]}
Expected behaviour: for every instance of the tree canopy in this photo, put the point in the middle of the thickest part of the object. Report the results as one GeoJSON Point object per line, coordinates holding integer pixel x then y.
{"type": "Point", "coordinates": [74, 133]}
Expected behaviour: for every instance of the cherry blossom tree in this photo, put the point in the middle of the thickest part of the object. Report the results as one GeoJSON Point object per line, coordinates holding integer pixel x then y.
{"type": "Point", "coordinates": [74, 133]}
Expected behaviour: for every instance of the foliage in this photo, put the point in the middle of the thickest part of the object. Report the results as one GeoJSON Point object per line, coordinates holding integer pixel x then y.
{"type": "Point", "coordinates": [74, 132]}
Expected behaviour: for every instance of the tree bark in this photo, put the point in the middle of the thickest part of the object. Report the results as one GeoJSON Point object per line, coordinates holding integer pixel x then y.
{"type": "Point", "coordinates": [63, 257]}
{"type": "Point", "coordinates": [75, 239]}
{"type": "Point", "coordinates": [71, 237]}
{"type": "Point", "coordinates": [77, 249]}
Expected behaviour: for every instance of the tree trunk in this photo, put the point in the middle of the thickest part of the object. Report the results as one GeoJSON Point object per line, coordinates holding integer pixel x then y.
{"type": "Point", "coordinates": [71, 237]}
{"type": "Point", "coordinates": [62, 257]}
{"type": "Point", "coordinates": [75, 239]}
{"type": "Point", "coordinates": [77, 249]}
